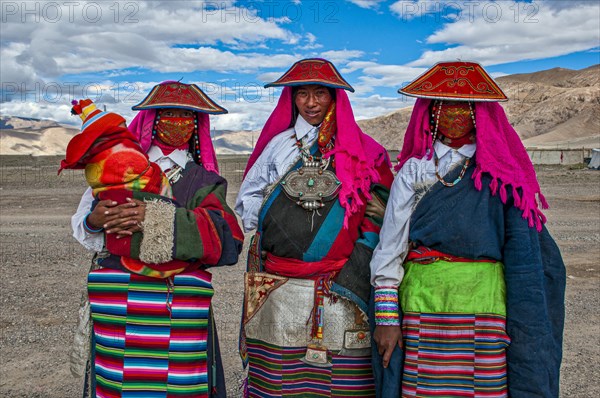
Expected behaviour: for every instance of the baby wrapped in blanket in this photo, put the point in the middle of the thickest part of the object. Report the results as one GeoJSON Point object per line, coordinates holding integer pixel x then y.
{"type": "Point", "coordinates": [111, 156]}
{"type": "Point", "coordinates": [114, 161]}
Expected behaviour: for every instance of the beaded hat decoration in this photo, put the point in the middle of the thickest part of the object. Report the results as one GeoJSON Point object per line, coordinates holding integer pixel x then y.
{"type": "Point", "coordinates": [312, 71]}
{"type": "Point", "coordinates": [456, 81]}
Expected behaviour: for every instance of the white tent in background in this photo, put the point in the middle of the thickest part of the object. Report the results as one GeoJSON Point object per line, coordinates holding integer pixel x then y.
{"type": "Point", "coordinates": [595, 160]}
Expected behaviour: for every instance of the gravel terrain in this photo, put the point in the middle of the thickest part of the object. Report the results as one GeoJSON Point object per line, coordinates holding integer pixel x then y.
{"type": "Point", "coordinates": [44, 271]}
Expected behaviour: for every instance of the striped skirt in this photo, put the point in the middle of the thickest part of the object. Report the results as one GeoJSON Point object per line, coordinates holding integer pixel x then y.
{"type": "Point", "coordinates": [276, 333]}
{"type": "Point", "coordinates": [454, 330]}
{"type": "Point", "coordinates": [276, 371]}
{"type": "Point", "coordinates": [150, 336]}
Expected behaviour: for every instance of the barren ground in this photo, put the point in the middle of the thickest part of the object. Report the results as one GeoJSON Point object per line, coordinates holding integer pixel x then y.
{"type": "Point", "coordinates": [44, 271]}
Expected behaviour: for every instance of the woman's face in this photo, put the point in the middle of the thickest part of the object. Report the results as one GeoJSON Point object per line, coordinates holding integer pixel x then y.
{"type": "Point", "coordinates": [312, 101]}
{"type": "Point", "coordinates": [455, 120]}
{"type": "Point", "coordinates": [176, 112]}
{"type": "Point", "coordinates": [175, 126]}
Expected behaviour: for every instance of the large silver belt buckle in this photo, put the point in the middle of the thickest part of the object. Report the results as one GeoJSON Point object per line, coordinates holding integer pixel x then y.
{"type": "Point", "coordinates": [311, 186]}
{"type": "Point", "coordinates": [357, 343]}
{"type": "Point", "coordinates": [316, 355]}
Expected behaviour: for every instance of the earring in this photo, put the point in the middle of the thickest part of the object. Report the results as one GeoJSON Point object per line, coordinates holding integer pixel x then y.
{"type": "Point", "coordinates": [438, 105]}
{"type": "Point", "coordinates": [472, 115]}
{"type": "Point", "coordinates": [156, 120]}
{"type": "Point", "coordinates": [196, 139]}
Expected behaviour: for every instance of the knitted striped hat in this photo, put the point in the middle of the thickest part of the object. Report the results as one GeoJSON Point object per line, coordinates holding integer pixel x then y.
{"type": "Point", "coordinates": [95, 124]}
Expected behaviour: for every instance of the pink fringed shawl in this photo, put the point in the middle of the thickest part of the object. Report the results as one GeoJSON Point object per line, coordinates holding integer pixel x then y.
{"type": "Point", "coordinates": [357, 155]}
{"type": "Point", "coordinates": [500, 153]}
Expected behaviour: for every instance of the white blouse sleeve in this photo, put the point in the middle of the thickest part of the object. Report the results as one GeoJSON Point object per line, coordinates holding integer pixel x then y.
{"type": "Point", "coordinates": [386, 264]}
{"type": "Point", "coordinates": [91, 241]}
{"type": "Point", "coordinates": [252, 191]}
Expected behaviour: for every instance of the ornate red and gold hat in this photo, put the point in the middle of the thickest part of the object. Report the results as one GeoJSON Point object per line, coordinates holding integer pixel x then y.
{"type": "Point", "coordinates": [179, 95]}
{"type": "Point", "coordinates": [456, 81]}
{"type": "Point", "coordinates": [312, 71]}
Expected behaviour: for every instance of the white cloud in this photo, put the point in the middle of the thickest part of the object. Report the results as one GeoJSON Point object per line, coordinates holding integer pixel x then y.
{"type": "Point", "coordinates": [340, 57]}
{"type": "Point", "coordinates": [378, 75]}
{"type": "Point", "coordinates": [310, 42]}
{"type": "Point", "coordinates": [99, 36]}
{"type": "Point", "coordinates": [208, 26]}
{"type": "Point", "coordinates": [249, 106]}
{"type": "Point", "coordinates": [12, 71]}
{"type": "Point", "coordinates": [376, 105]}
{"type": "Point", "coordinates": [129, 50]}
{"type": "Point", "coordinates": [207, 58]}
{"type": "Point", "coordinates": [172, 22]}
{"type": "Point", "coordinates": [51, 100]}
{"type": "Point", "coordinates": [269, 77]}
{"type": "Point", "coordinates": [501, 32]}
{"type": "Point", "coordinates": [59, 112]}
{"type": "Point", "coordinates": [560, 4]}
{"type": "Point", "coordinates": [245, 115]}
{"type": "Point", "coordinates": [371, 4]}
{"type": "Point", "coordinates": [440, 9]}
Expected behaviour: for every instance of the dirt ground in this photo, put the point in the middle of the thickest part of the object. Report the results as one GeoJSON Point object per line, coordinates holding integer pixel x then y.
{"type": "Point", "coordinates": [44, 271]}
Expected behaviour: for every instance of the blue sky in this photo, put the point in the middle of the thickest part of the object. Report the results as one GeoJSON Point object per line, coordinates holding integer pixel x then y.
{"type": "Point", "coordinates": [115, 51]}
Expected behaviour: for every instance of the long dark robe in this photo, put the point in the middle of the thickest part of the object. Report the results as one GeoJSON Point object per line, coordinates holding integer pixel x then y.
{"type": "Point", "coordinates": [465, 222]}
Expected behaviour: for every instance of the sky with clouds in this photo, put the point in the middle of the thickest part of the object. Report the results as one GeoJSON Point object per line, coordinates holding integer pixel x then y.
{"type": "Point", "coordinates": [114, 51]}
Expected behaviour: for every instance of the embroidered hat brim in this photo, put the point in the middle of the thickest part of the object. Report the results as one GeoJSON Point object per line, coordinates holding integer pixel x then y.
{"type": "Point", "coordinates": [182, 96]}
{"type": "Point", "coordinates": [312, 71]}
{"type": "Point", "coordinates": [456, 81]}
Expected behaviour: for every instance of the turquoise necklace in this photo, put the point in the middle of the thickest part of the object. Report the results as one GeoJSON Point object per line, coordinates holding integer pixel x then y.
{"type": "Point", "coordinates": [460, 176]}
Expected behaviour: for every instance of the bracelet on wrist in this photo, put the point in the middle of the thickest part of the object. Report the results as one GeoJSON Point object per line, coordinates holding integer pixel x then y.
{"type": "Point", "coordinates": [386, 306]}
{"type": "Point", "coordinates": [89, 229]}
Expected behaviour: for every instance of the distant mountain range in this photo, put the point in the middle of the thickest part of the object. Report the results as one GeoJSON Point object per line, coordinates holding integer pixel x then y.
{"type": "Point", "coordinates": [27, 136]}
{"type": "Point", "coordinates": [549, 109]}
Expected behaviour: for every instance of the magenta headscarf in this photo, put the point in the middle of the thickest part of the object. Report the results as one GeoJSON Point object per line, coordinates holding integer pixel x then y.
{"type": "Point", "coordinates": [500, 153]}
{"type": "Point", "coordinates": [142, 124]}
{"type": "Point", "coordinates": [357, 155]}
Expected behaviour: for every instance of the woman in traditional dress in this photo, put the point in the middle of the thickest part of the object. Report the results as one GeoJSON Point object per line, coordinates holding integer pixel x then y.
{"type": "Point", "coordinates": [153, 331]}
{"type": "Point", "coordinates": [314, 189]}
{"type": "Point", "coordinates": [464, 250]}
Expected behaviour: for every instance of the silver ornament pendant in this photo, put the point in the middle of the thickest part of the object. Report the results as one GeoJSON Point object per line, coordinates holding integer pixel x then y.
{"type": "Point", "coordinates": [310, 186]}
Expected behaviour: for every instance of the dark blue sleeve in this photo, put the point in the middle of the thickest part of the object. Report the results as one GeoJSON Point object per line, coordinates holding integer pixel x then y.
{"type": "Point", "coordinates": [230, 246]}
{"type": "Point", "coordinates": [535, 285]}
